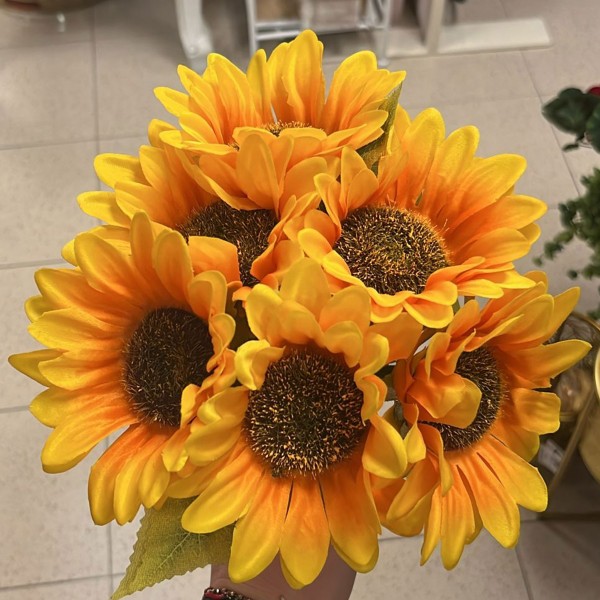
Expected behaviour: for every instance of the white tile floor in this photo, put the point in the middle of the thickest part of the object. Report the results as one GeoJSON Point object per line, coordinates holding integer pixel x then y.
{"type": "Point", "coordinates": [66, 96]}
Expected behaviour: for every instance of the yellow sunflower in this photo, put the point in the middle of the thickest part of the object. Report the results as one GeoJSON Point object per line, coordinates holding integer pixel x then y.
{"type": "Point", "coordinates": [282, 96]}
{"type": "Point", "coordinates": [473, 402]}
{"type": "Point", "coordinates": [134, 340]}
{"type": "Point", "coordinates": [301, 434]}
{"type": "Point", "coordinates": [434, 223]}
{"type": "Point", "coordinates": [252, 196]}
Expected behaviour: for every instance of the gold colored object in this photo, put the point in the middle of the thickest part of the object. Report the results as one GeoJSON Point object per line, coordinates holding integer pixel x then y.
{"type": "Point", "coordinates": [579, 390]}
{"type": "Point", "coordinates": [589, 447]}
{"type": "Point", "coordinates": [572, 389]}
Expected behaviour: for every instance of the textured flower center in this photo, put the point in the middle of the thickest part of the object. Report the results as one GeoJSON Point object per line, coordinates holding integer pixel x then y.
{"type": "Point", "coordinates": [169, 349]}
{"type": "Point", "coordinates": [306, 416]}
{"type": "Point", "coordinates": [391, 250]}
{"type": "Point", "coordinates": [277, 128]}
{"type": "Point", "coordinates": [248, 230]}
{"type": "Point", "coordinates": [481, 368]}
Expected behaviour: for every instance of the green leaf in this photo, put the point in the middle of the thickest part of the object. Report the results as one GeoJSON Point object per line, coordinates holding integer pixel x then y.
{"type": "Point", "coordinates": [371, 153]}
{"type": "Point", "coordinates": [593, 129]}
{"type": "Point", "coordinates": [570, 110]}
{"type": "Point", "coordinates": [164, 549]}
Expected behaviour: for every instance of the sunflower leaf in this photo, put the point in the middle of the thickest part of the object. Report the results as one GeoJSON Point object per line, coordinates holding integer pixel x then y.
{"type": "Point", "coordinates": [372, 152]}
{"type": "Point", "coordinates": [164, 549]}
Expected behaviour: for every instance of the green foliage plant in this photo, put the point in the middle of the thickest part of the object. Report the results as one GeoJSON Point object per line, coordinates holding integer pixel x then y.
{"type": "Point", "coordinates": [578, 113]}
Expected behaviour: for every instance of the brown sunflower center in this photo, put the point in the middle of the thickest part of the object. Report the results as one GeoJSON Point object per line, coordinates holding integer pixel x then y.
{"type": "Point", "coordinates": [248, 230]}
{"type": "Point", "coordinates": [391, 250]}
{"type": "Point", "coordinates": [277, 128]}
{"type": "Point", "coordinates": [481, 368]}
{"type": "Point", "coordinates": [306, 416]}
{"type": "Point", "coordinates": [168, 350]}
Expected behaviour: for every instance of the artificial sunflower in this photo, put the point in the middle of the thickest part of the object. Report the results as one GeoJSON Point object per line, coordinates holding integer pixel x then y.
{"type": "Point", "coordinates": [473, 401]}
{"type": "Point", "coordinates": [435, 223]}
{"type": "Point", "coordinates": [250, 199]}
{"type": "Point", "coordinates": [283, 95]}
{"type": "Point", "coordinates": [135, 340]}
{"type": "Point", "coordinates": [301, 435]}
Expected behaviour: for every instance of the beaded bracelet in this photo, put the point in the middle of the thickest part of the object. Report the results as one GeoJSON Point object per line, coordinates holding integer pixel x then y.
{"type": "Point", "coordinates": [222, 594]}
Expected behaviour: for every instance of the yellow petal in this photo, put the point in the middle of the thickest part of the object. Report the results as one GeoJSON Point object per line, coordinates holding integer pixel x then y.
{"type": "Point", "coordinates": [154, 478]}
{"type": "Point", "coordinates": [305, 540]}
{"type": "Point", "coordinates": [350, 304]}
{"type": "Point", "coordinates": [28, 363]}
{"type": "Point", "coordinates": [537, 411]}
{"type": "Point", "coordinates": [103, 474]}
{"type": "Point", "coordinates": [415, 446]}
{"type": "Point", "coordinates": [252, 360]}
{"type": "Point", "coordinates": [261, 304]}
{"type": "Point", "coordinates": [352, 517]}
{"type": "Point", "coordinates": [452, 159]}
{"type": "Point", "coordinates": [127, 492]}
{"type": "Point", "coordinates": [175, 102]}
{"type": "Point", "coordinates": [258, 78]}
{"type": "Point", "coordinates": [112, 168]}
{"type": "Point", "coordinates": [434, 442]}
{"type": "Point", "coordinates": [384, 454]}
{"type": "Point", "coordinates": [498, 511]}
{"type": "Point", "coordinates": [550, 360]}
{"type": "Point", "coordinates": [295, 286]}
{"type": "Point", "coordinates": [256, 168]}
{"type": "Point", "coordinates": [374, 355]}
{"type": "Point", "coordinates": [73, 330]}
{"type": "Point", "coordinates": [420, 142]}
{"type": "Point", "coordinates": [303, 79]}
{"type": "Point", "coordinates": [72, 374]}
{"type": "Point", "coordinates": [419, 482]}
{"type": "Point", "coordinates": [402, 334]}
{"type": "Point", "coordinates": [522, 481]}
{"type": "Point", "coordinates": [208, 253]}
{"type": "Point", "coordinates": [106, 268]}
{"type": "Point", "coordinates": [433, 527]}
{"type": "Point", "coordinates": [73, 439]}
{"type": "Point", "coordinates": [103, 206]}
{"type": "Point", "coordinates": [296, 325]}
{"type": "Point", "coordinates": [257, 534]}
{"type": "Point", "coordinates": [221, 417]}
{"type": "Point", "coordinates": [458, 523]}
{"type": "Point", "coordinates": [374, 392]}
{"type": "Point", "coordinates": [226, 498]}
{"type": "Point", "coordinates": [347, 339]}
{"type": "Point", "coordinates": [172, 263]}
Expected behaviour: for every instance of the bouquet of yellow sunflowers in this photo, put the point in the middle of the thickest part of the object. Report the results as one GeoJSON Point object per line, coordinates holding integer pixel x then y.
{"type": "Point", "coordinates": [302, 316]}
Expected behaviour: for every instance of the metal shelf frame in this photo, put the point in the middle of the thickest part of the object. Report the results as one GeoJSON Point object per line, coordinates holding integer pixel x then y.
{"type": "Point", "coordinates": [375, 16]}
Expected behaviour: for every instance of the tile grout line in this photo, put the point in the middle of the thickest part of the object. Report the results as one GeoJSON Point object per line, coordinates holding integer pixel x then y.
{"type": "Point", "coordinates": [95, 84]}
{"type": "Point", "coordinates": [97, 139]}
{"type": "Point", "coordinates": [52, 44]}
{"type": "Point", "coordinates": [28, 586]}
{"type": "Point", "coordinates": [526, 582]}
{"type": "Point", "coordinates": [504, 9]}
{"type": "Point", "coordinates": [45, 262]}
{"type": "Point", "coordinates": [554, 133]}
{"type": "Point", "coordinates": [565, 161]}
{"type": "Point", "coordinates": [13, 409]}
{"type": "Point", "coordinates": [46, 144]}
{"type": "Point", "coordinates": [109, 537]}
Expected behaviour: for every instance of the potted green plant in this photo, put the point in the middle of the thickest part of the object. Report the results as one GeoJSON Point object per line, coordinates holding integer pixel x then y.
{"type": "Point", "coordinates": [577, 112]}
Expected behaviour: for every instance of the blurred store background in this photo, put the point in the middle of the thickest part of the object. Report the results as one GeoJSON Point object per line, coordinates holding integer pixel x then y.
{"type": "Point", "coordinates": [76, 79]}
